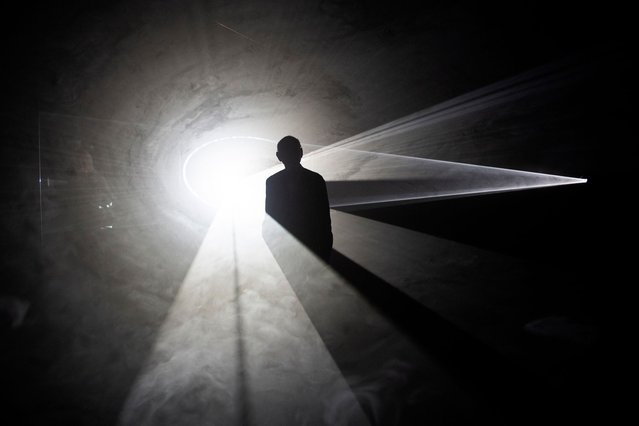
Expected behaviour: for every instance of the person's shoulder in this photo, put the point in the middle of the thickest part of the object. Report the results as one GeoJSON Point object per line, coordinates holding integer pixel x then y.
{"type": "Point", "coordinates": [275, 177]}
{"type": "Point", "coordinates": [314, 175]}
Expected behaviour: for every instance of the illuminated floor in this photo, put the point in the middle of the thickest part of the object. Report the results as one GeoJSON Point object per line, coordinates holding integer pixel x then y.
{"type": "Point", "coordinates": [160, 324]}
{"type": "Point", "coordinates": [249, 342]}
{"type": "Point", "coordinates": [156, 321]}
{"type": "Point", "coordinates": [261, 332]}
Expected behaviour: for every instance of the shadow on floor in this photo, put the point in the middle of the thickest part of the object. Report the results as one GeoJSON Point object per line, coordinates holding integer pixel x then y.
{"type": "Point", "coordinates": [494, 380]}
{"type": "Point", "coordinates": [487, 388]}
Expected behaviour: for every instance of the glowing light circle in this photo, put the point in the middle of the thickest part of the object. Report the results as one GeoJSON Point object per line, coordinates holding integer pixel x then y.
{"type": "Point", "coordinates": [214, 171]}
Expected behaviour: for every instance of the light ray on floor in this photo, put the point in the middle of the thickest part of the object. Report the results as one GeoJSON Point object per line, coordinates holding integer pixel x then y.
{"type": "Point", "coordinates": [237, 347]}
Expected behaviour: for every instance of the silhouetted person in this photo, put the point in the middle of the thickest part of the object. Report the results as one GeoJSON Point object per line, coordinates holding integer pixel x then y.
{"type": "Point", "coordinates": [296, 197]}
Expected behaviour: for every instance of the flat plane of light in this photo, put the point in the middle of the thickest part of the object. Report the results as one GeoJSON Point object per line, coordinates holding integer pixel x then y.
{"type": "Point", "coordinates": [392, 178]}
{"type": "Point", "coordinates": [538, 80]}
{"type": "Point", "coordinates": [373, 155]}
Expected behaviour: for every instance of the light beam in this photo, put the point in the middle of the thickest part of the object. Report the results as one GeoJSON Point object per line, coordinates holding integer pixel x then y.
{"type": "Point", "coordinates": [361, 178]}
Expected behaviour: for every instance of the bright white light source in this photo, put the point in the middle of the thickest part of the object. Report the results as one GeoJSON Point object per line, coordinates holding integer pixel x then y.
{"type": "Point", "coordinates": [215, 171]}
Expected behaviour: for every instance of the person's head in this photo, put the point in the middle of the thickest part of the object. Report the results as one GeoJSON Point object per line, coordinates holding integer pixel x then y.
{"type": "Point", "coordinates": [289, 151]}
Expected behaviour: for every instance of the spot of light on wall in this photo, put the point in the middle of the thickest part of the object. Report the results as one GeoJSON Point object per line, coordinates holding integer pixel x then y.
{"type": "Point", "coordinates": [215, 172]}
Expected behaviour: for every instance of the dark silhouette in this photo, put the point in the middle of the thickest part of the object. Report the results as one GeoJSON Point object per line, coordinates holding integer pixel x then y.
{"type": "Point", "coordinates": [296, 198]}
